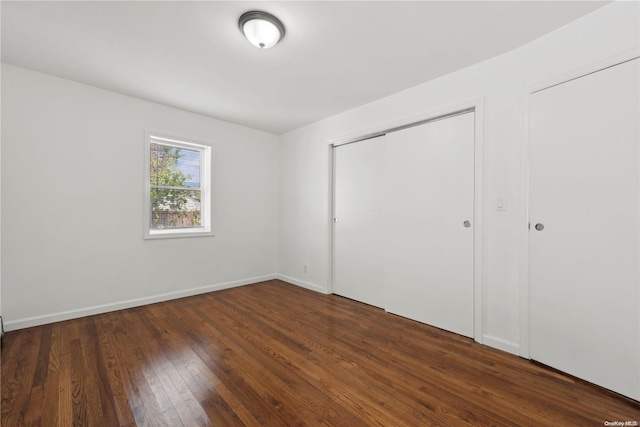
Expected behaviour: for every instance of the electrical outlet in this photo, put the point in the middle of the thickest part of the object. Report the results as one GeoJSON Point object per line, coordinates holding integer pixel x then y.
{"type": "Point", "coordinates": [305, 268]}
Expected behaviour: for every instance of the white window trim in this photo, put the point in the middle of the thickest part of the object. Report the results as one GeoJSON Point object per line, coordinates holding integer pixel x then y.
{"type": "Point", "coordinates": [206, 206]}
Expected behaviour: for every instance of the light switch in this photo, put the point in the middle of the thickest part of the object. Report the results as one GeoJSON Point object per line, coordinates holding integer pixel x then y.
{"type": "Point", "coordinates": [500, 204]}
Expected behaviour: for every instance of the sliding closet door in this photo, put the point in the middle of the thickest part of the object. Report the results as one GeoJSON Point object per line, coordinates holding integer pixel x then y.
{"type": "Point", "coordinates": [584, 238]}
{"type": "Point", "coordinates": [429, 201]}
{"type": "Point", "coordinates": [358, 227]}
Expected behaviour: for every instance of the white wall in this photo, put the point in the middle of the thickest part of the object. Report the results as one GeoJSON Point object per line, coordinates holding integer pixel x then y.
{"type": "Point", "coordinates": [72, 203]}
{"type": "Point", "coordinates": [2, 318]}
{"type": "Point", "coordinates": [503, 82]}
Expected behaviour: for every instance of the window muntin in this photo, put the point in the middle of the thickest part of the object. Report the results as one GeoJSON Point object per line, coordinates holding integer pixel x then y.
{"type": "Point", "coordinates": [178, 198]}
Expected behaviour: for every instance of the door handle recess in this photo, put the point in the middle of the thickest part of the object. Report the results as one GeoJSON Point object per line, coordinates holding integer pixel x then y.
{"type": "Point", "coordinates": [467, 224]}
{"type": "Point", "coordinates": [539, 227]}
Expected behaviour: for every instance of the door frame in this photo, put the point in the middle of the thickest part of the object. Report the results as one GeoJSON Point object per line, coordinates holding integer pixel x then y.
{"type": "Point", "coordinates": [476, 106]}
{"type": "Point", "coordinates": [524, 286]}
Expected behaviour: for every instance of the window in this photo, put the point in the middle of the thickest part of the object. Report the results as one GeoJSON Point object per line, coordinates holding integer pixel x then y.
{"type": "Point", "coordinates": [177, 188]}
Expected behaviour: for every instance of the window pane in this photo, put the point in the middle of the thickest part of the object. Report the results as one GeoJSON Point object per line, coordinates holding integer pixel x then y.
{"type": "Point", "coordinates": [174, 166]}
{"type": "Point", "coordinates": [175, 208]}
{"type": "Point", "coordinates": [189, 165]}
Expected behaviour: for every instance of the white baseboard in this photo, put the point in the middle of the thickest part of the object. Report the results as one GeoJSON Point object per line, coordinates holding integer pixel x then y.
{"type": "Point", "coordinates": [501, 344]}
{"type": "Point", "coordinates": [28, 322]}
{"type": "Point", "coordinates": [303, 284]}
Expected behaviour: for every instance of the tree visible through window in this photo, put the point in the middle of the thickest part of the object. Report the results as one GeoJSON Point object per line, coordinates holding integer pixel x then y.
{"type": "Point", "coordinates": [175, 187]}
{"type": "Point", "coordinates": [177, 172]}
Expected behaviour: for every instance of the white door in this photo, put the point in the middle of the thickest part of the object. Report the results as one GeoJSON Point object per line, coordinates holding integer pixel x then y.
{"type": "Point", "coordinates": [357, 267]}
{"type": "Point", "coordinates": [429, 195]}
{"type": "Point", "coordinates": [584, 264]}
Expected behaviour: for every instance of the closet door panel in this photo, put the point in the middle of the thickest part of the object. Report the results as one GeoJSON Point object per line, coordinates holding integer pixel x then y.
{"type": "Point", "coordinates": [584, 258]}
{"type": "Point", "coordinates": [358, 226]}
{"type": "Point", "coordinates": [429, 221]}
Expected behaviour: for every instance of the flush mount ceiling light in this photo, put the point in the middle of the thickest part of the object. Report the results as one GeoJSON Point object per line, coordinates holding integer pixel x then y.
{"type": "Point", "coordinates": [261, 29]}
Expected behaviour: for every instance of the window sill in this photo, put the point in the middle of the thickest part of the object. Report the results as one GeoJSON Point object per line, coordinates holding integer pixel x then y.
{"type": "Point", "coordinates": [174, 234]}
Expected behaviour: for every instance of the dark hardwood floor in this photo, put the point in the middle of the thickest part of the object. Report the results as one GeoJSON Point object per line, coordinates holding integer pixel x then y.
{"type": "Point", "coordinates": [273, 354]}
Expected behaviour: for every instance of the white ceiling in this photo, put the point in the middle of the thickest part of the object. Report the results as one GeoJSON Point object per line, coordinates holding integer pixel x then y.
{"type": "Point", "coordinates": [336, 55]}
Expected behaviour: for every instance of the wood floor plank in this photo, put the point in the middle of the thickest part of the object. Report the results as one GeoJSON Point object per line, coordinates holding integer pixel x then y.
{"type": "Point", "coordinates": [103, 403]}
{"type": "Point", "coordinates": [144, 405]}
{"type": "Point", "coordinates": [10, 378]}
{"type": "Point", "coordinates": [211, 385]}
{"type": "Point", "coordinates": [51, 397]}
{"type": "Point", "coordinates": [65, 386]}
{"type": "Point", "coordinates": [247, 370]}
{"type": "Point", "coordinates": [25, 370]}
{"type": "Point", "coordinates": [87, 403]}
{"type": "Point", "coordinates": [182, 398]}
{"type": "Point", "coordinates": [211, 394]}
{"type": "Point", "coordinates": [159, 397]}
{"type": "Point", "coordinates": [273, 354]}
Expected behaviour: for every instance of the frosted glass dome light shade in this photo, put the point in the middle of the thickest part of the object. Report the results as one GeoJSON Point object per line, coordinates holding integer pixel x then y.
{"type": "Point", "coordinates": [261, 29]}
